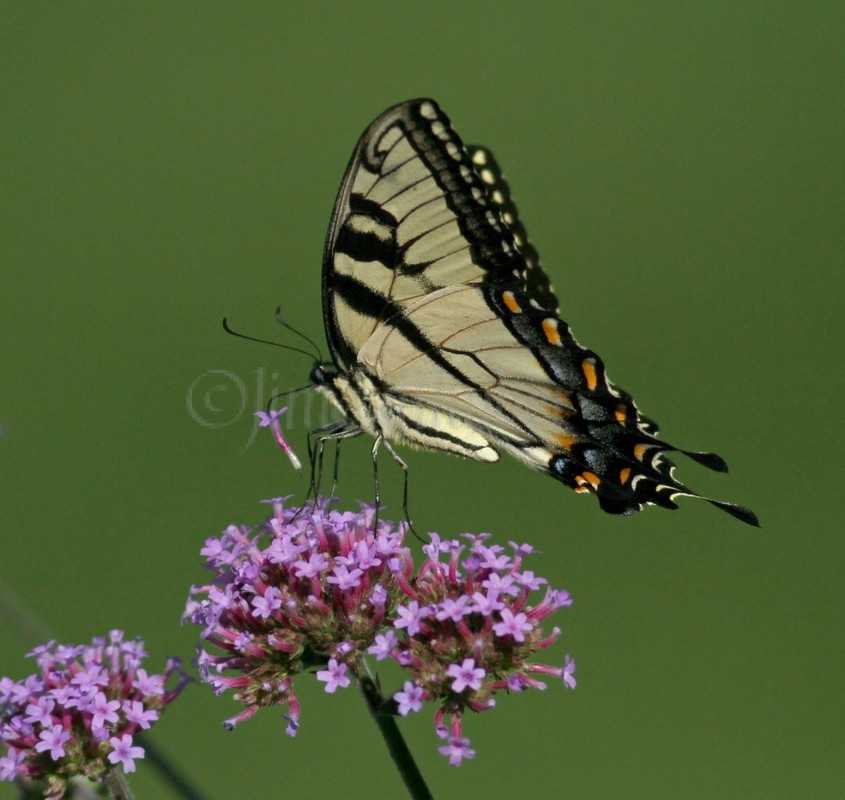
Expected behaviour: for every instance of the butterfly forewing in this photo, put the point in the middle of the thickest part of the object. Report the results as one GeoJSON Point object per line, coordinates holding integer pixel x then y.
{"type": "Point", "coordinates": [532, 278]}
{"type": "Point", "coordinates": [444, 328]}
{"type": "Point", "coordinates": [412, 216]}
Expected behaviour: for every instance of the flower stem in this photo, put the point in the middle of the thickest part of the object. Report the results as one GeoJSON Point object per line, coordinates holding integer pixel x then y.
{"type": "Point", "coordinates": [396, 745]}
{"type": "Point", "coordinates": [116, 782]}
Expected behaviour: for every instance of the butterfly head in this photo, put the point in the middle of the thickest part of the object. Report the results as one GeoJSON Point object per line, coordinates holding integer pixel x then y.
{"type": "Point", "coordinates": [323, 374]}
{"type": "Point", "coordinates": [327, 379]}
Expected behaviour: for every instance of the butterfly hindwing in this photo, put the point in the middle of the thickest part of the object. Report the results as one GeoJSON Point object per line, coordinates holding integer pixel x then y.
{"type": "Point", "coordinates": [444, 328]}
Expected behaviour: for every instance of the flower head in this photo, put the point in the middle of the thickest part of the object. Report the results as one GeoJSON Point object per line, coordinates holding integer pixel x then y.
{"type": "Point", "coordinates": [77, 715]}
{"type": "Point", "coordinates": [316, 587]}
{"type": "Point", "coordinates": [311, 587]}
{"type": "Point", "coordinates": [467, 630]}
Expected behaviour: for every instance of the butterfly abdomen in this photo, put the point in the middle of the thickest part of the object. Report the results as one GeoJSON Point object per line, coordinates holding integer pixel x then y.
{"type": "Point", "coordinates": [358, 396]}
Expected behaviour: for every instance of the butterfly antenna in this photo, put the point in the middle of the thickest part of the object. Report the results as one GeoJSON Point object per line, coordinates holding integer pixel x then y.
{"type": "Point", "coordinates": [285, 394]}
{"type": "Point", "coordinates": [228, 329]}
{"type": "Point", "coordinates": [285, 324]}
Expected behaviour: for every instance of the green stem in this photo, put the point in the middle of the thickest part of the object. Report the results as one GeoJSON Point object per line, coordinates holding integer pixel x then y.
{"type": "Point", "coordinates": [116, 782]}
{"type": "Point", "coordinates": [399, 752]}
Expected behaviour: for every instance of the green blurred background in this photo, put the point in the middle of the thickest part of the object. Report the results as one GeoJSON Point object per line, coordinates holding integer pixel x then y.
{"type": "Point", "coordinates": [680, 168]}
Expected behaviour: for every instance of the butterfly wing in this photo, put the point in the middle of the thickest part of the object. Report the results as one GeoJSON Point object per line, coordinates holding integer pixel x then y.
{"type": "Point", "coordinates": [445, 328]}
{"type": "Point", "coordinates": [531, 278]}
{"type": "Point", "coordinates": [412, 216]}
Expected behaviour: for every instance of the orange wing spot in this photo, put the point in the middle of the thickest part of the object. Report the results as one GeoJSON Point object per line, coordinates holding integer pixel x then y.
{"type": "Point", "coordinates": [587, 478]}
{"type": "Point", "coordinates": [566, 441]}
{"type": "Point", "coordinates": [551, 331]}
{"type": "Point", "coordinates": [581, 489]}
{"type": "Point", "coordinates": [621, 413]}
{"type": "Point", "coordinates": [510, 301]}
{"type": "Point", "coordinates": [640, 451]}
{"type": "Point", "coordinates": [624, 474]}
{"type": "Point", "coordinates": [588, 367]}
{"type": "Point", "coordinates": [591, 478]}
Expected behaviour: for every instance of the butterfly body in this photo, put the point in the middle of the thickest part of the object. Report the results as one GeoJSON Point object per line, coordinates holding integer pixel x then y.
{"type": "Point", "coordinates": [444, 329]}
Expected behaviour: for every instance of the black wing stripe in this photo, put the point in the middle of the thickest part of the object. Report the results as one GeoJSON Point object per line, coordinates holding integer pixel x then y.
{"type": "Point", "coordinates": [361, 205]}
{"type": "Point", "coordinates": [517, 442]}
{"type": "Point", "coordinates": [428, 431]}
{"type": "Point", "coordinates": [366, 244]}
{"type": "Point", "coordinates": [363, 299]}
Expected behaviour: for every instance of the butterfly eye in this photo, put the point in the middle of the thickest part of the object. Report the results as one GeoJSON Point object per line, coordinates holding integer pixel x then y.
{"type": "Point", "coordinates": [318, 375]}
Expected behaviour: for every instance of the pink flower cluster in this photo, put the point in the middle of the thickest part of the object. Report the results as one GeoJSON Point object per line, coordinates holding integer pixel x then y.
{"type": "Point", "coordinates": [78, 714]}
{"type": "Point", "coordinates": [466, 630]}
{"type": "Point", "coordinates": [310, 588]}
{"type": "Point", "coordinates": [316, 587]}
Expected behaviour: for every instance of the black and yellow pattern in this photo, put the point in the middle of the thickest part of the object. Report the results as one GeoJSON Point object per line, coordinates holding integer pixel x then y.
{"type": "Point", "coordinates": [444, 328]}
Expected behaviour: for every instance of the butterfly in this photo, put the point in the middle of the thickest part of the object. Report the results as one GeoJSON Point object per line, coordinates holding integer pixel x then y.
{"type": "Point", "coordinates": [445, 333]}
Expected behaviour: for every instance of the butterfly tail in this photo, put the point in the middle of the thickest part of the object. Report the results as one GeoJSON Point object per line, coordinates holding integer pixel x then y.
{"type": "Point", "coordinates": [624, 482]}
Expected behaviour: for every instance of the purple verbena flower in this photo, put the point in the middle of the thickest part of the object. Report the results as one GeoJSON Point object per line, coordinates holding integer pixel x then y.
{"type": "Point", "coordinates": [41, 711]}
{"type": "Point", "coordinates": [457, 749]}
{"type": "Point", "coordinates": [124, 752]}
{"type": "Point", "coordinates": [345, 578]}
{"type": "Point", "coordinates": [569, 672]}
{"type": "Point", "coordinates": [77, 717]}
{"type": "Point", "coordinates": [264, 606]}
{"type": "Point", "coordinates": [514, 625]}
{"type": "Point", "coordinates": [454, 609]}
{"type": "Point", "coordinates": [11, 764]}
{"type": "Point", "coordinates": [335, 676]}
{"type": "Point", "coordinates": [409, 698]}
{"type": "Point", "coordinates": [411, 616]}
{"type": "Point", "coordinates": [138, 714]}
{"type": "Point", "coordinates": [384, 644]}
{"type": "Point", "coordinates": [103, 710]}
{"type": "Point", "coordinates": [467, 675]}
{"type": "Point", "coordinates": [312, 587]}
{"type": "Point", "coordinates": [468, 630]}
{"type": "Point", "coordinates": [271, 419]}
{"type": "Point", "coordinates": [53, 740]}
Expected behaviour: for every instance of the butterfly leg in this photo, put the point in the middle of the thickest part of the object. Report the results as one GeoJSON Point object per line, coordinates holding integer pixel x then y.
{"type": "Point", "coordinates": [378, 442]}
{"type": "Point", "coordinates": [336, 466]}
{"type": "Point", "coordinates": [404, 467]}
{"type": "Point", "coordinates": [317, 438]}
{"type": "Point", "coordinates": [315, 459]}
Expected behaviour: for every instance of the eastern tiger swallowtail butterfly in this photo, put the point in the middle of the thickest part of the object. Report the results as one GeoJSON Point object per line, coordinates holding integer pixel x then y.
{"type": "Point", "coordinates": [444, 330]}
